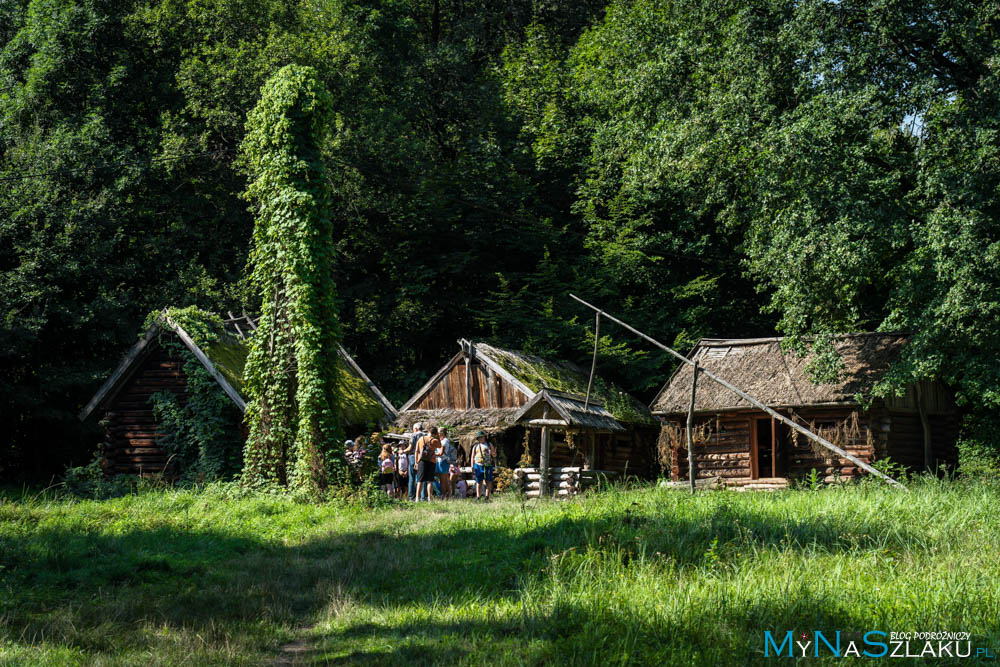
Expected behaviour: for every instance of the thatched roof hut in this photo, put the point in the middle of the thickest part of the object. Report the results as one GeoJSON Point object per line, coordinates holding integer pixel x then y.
{"type": "Point", "coordinates": [741, 443]}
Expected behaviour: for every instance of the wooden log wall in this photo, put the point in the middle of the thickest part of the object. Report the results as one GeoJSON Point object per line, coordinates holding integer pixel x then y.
{"type": "Point", "coordinates": [488, 390]}
{"type": "Point", "coordinates": [906, 439]}
{"type": "Point", "coordinates": [721, 449]}
{"type": "Point", "coordinates": [131, 429]}
{"type": "Point", "coordinates": [723, 445]}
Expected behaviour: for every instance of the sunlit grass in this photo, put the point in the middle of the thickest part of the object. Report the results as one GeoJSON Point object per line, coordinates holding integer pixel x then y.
{"type": "Point", "coordinates": [642, 576]}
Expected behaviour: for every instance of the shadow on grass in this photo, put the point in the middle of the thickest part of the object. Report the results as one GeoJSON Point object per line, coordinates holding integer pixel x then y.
{"type": "Point", "coordinates": [97, 592]}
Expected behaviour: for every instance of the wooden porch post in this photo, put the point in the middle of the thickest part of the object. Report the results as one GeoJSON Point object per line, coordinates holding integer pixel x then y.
{"type": "Point", "coordinates": [690, 437]}
{"type": "Point", "coordinates": [543, 457]}
{"type": "Point", "coordinates": [468, 376]}
{"type": "Point", "coordinates": [592, 454]}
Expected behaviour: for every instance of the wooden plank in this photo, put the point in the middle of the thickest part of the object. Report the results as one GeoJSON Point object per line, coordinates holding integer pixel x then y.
{"type": "Point", "coordinates": [561, 423]}
{"type": "Point", "coordinates": [468, 376]}
{"type": "Point", "coordinates": [491, 381]}
{"type": "Point", "coordinates": [444, 370]}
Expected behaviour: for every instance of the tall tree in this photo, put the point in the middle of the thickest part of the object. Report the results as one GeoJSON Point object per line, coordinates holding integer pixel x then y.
{"type": "Point", "coordinates": [291, 372]}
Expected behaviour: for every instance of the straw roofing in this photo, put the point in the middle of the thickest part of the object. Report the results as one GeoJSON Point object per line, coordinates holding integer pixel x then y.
{"type": "Point", "coordinates": [460, 421]}
{"type": "Point", "coordinates": [462, 424]}
{"type": "Point", "coordinates": [571, 409]}
{"type": "Point", "coordinates": [760, 368]}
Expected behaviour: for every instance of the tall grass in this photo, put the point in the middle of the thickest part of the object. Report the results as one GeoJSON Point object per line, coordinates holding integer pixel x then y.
{"type": "Point", "coordinates": [628, 576]}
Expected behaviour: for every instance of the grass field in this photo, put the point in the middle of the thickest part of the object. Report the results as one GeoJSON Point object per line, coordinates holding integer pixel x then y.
{"type": "Point", "coordinates": [641, 576]}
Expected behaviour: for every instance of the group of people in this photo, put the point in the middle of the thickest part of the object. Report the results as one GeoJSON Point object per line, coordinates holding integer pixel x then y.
{"type": "Point", "coordinates": [427, 465]}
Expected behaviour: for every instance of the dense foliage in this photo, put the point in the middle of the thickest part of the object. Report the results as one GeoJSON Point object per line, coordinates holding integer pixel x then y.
{"type": "Point", "coordinates": [292, 372]}
{"type": "Point", "coordinates": [684, 163]}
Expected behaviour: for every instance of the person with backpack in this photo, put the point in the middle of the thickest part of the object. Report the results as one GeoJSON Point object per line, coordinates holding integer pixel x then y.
{"type": "Point", "coordinates": [445, 459]}
{"type": "Point", "coordinates": [410, 453]}
{"type": "Point", "coordinates": [483, 455]}
{"type": "Point", "coordinates": [425, 454]}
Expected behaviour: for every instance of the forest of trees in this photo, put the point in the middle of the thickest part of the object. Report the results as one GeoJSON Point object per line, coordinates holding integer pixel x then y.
{"type": "Point", "coordinates": [726, 168]}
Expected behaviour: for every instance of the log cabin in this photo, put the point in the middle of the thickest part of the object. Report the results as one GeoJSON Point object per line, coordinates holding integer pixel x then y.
{"type": "Point", "coordinates": [498, 391]}
{"type": "Point", "coordinates": [745, 447]}
{"type": "Point", "coordinates": [132, 433]}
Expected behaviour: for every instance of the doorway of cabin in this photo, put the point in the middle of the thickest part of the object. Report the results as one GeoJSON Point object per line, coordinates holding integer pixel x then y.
{"type": "Point", "coordinates": [770, 456]}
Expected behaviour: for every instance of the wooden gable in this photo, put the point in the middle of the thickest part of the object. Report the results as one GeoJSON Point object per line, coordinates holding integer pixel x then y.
{"type": "Point", "coordinates": [489, 387]}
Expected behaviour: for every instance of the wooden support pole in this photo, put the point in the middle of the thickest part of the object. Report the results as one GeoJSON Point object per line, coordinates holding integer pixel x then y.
{"type": "Point", "coordinates": [593, 363]}
{"type": "Point", "coordinates": [690, 421]}
{"type": "Point", "coordinates": [543, 456]}
{"type": "Point", "coordinates": [592, 458]}
{"type": "Point", "coordinates": [925, 424]}
{"type": "Point", "coordinates": [468, 376]}
{"type": "Point", "coordinates": [750, 399]}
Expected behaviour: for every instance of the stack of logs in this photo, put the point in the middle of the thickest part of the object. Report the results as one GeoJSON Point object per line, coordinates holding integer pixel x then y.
{"type": "Point", "coordinates": [562, 481]}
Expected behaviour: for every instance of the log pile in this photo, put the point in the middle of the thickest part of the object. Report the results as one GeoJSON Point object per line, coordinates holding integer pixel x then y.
{"type": "Point", "coordinates": [563, 482]}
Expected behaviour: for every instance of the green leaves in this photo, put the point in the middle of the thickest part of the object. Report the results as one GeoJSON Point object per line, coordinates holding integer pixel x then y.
{"type": "Point", "coordinates": [291, 374]}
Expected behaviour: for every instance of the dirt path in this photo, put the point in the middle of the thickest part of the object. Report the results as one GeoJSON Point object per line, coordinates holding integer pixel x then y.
{"type": "Point", "coordinates": [293, 653]}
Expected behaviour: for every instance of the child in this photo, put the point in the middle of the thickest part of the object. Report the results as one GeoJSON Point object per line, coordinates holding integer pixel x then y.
{"type": "Point", "coordinates": [402, 473]}
{"type": "Point", "coordinates": [458, 486]}
{"type": "Point", "coordinates": [386, 467]}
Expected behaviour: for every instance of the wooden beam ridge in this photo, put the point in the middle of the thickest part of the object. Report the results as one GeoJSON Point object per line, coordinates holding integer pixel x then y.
{"type": "Point", "coordinates": [387, 406]}
{"type": "Point", "coordinates": [500, 370]}
{"type": "Point", "coordinates": [747, 397]}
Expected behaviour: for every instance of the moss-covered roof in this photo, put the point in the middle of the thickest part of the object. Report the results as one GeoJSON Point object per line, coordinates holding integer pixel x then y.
{"type": "Point", "coordinates": [226, 345]}
{"type": "Point", "coordinates": [358, 404]}
{"type": "Point", "coordinates": [537, 373]}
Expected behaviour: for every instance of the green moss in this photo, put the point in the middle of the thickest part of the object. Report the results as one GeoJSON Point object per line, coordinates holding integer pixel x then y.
{"type": "Point", "coordinates": [537, 374]}
{"type": "Point", "coordinates": [358, 405]}
{"type": "Point", "coordinates": [229, 355]}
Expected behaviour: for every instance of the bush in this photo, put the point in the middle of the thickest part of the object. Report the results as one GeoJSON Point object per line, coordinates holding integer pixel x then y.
{"type": "Point", "coordinates": [979, 447]}
{"type": "Point", "coordinates": [89, 482]}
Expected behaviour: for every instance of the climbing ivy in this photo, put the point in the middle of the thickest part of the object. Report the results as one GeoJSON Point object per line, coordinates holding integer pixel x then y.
{"type": "Point", "coordinates": [202, 429]}
{"type": "Point", "coordinates": [291, 373]}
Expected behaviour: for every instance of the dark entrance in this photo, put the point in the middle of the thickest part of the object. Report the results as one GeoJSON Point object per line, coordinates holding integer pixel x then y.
{"type": "Point", "coordinates": [770, 451]}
